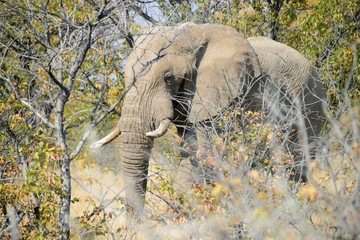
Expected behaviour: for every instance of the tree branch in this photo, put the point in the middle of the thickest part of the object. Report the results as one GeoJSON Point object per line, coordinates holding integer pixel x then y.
{"type": "Point", "coordinates": [43, 119]}
{"type": "Point", "coordinates": [144, 15]}
{"type": "Point", "coordinates": [79, 61]}
{"type": "Point", "coordinates": [27, 104]}
{"type": "Point", "coordinates": [54, 79]}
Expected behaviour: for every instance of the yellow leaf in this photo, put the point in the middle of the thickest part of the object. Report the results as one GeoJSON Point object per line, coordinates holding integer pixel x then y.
{"type": "Point", "coordinates": [313, 166]}
{"type": "Point", "coordinates": [254, 174]}
{"type": "Point", "coordinates": [309, 192]}
{"type": "Point", "coordinates": [261, 195]}
{"type": "Point", "coordinates": [260, 212]}
{"type": "Point", "coordinates": [218, 189]}
{"type": "Point", "coordinates": [275, 191]}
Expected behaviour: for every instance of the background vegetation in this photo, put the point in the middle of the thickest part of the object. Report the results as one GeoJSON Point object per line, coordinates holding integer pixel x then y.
{"type": "Point", "coordinates": [61, 86]}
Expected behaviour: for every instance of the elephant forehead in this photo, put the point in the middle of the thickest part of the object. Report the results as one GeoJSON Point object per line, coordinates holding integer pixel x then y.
{"type": "Point", "coordinates": [139, 61]}
{"type": "Point", "coordinates": [165, 42]}
{"type": "Point", "coordinates": [150, 66]}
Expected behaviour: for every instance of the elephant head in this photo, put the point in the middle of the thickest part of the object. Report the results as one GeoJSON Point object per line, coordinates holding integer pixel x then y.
{"type": "Point", "coordinates": [180, 74]}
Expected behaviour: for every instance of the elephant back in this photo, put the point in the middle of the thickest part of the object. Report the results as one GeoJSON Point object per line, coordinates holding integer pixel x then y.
{"type": "Point", "coordinates": [289, 68]}
{"type": "Point", "coordinates": [292, 79]}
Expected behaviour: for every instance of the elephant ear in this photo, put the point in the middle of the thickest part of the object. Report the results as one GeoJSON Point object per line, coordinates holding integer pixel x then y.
{"type": "Point", "coordinates": [227, 67]}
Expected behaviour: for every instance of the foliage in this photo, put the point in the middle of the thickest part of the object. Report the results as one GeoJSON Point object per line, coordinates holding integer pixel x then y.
{"type": "Point", "coordinates": [328, 32]}
{"type": "Point", "coordinates": [30, 186]}
{"type": "Point", "coordinates": [62, 75]}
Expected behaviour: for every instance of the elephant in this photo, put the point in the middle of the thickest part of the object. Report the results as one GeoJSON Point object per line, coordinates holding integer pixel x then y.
{"type": "Point", "coordinates": [184, 75]}
{"type": "Point", "coordinates": [292, 81]}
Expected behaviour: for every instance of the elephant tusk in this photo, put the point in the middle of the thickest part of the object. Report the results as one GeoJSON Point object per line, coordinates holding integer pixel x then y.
{"type": "Point", "coordinates": [161, 130]}
{"type": "Point", "coordinates": [110, 137]}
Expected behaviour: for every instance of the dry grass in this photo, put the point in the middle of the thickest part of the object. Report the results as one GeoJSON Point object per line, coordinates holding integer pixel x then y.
{"type": "Point", "coordinates": [95, 190]}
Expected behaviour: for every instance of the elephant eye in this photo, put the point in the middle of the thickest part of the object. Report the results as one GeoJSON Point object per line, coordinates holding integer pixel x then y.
{"type": "Point", "coordinates": [169, 79]}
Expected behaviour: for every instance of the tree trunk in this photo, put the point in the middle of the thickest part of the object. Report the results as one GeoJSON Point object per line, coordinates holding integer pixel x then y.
{"type": "Point", "coordinates": [273, 27]}
{"type": "Point", "coordinates": [64, 212]}
{"type": "Point", "coordinates": [64, 164]}
{"type": "Point", "coordinates": [273, 30]}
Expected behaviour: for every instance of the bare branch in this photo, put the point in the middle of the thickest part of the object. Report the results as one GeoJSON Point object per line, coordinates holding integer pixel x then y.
{"type": "Point", "coordinates": [54, 79]}
{"type": "Point", "coordinates": [43, 119]}
{"type": "Point", "coordinates": [144, 15]}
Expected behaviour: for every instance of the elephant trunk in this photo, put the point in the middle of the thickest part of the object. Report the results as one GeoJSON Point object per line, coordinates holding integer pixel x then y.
{"type": "Point", "coordinates": [141, 114]}
{"type": "Point", "coordinates": [135, 159]}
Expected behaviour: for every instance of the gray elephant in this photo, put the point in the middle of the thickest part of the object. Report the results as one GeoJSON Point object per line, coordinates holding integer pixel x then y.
{"type": "Point", "coordinates": [184, 75]}
{"type": "Point", "coordinates": [293, 95]}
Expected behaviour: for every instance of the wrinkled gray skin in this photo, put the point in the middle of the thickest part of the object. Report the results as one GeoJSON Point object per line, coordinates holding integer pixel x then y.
{"type": "Point", "coordinates": [184, 74]}
{"type": "Point", "coordinates": [299, 103]}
